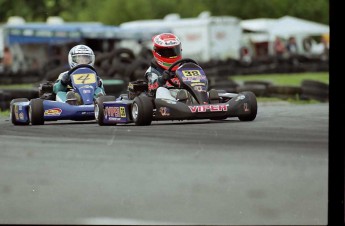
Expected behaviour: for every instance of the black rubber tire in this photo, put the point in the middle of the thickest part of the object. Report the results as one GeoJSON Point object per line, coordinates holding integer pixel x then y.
{"type": "Point", "coordinates": [252, 104]}
{"type": "Point", "coordinates": [228, 85]}
{"type": "Point", "coordinates": [124, 53]}
{"type": "Point", "coordinates": [258, 89]}
{"type": "Point", "coordinates": [117, 67]}
{"type": "Point", "coordinates": [142, 110]}
{"type": "Point", "coordinates": [29, 93]}
{"type": "Point", "coordinates": [292, 90]}
{"type": "Point", "coordinates": [14, 122]}
{"type": "Point", "coordinates": [146, 53]}
{"type": "Point", "coordinates": [315, 93]}
{"type": "Point", "coordinates": [258, 82]}
{"type": "Point", "coordinates": [140, 65]}
{"type": "Point", "coordinates": [52, 75]}
{"type": "Point", "coordinates": [315, 90]}
{"type": "Point", "coordinates": [36, 112]}
{"type": "Point", "coordinates": [314, 84]}
{"type": "Point", "coordinates": [46, 87]}
{"type": "Point", "coordinates": [99, 108]}
{"type": "Point", "coordinates": [114, 89]}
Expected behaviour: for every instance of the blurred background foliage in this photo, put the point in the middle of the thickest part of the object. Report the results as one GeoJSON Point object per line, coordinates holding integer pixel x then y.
{"type": "Point", "coordinates": [114, 12]}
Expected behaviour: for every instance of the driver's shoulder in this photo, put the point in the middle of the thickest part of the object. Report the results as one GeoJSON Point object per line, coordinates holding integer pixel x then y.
{"type": "Point", "coordinates": [151, 70]}
{"type": "Point", "coordinates": [62, 74]}
{"type": "Point", "coordinates": [154, 70]}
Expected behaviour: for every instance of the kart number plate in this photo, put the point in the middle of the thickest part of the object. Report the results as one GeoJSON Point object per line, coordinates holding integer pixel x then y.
{"type": "Point", "coordinates": [84, 78]}
{"type": "Point", "coordinates": [188, 73]}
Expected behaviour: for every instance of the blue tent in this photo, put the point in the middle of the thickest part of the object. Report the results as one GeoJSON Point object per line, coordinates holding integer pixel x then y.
{"type": "Point", "coordinates": [100, 32]}
{"type": "Point", "coordinates": [71, 32]}
{"type": "Point", "coordinates": [47, 33]}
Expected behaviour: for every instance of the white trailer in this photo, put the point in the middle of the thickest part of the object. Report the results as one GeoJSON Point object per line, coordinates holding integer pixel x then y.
{"type": "Point", "coordinates": [203, 38]}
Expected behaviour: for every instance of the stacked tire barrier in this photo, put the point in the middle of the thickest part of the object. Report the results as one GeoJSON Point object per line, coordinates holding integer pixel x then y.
{"type": "Point", "coordinates": [114, 87]}
{"type": "Point", "coordinates": [137, 69]}
{"type": "Point", "coordinates": [18, 78]}
{"type": "Point", "coordinates": [120, 66]}
{"type": "Point", "coordinates": [220, 84]}
{"type": "Point", "coordinates": [122, 63]}
{"type": "Point", "coordinates": [285, 92]}
{"type": "Point", "coordinates": [7, 95]}
{"type": "Point", "coordinates": [309, 89]}
{"type": "Point", "coordinates": [259, 88]}
{"type": "Point", "coordinates": [315, 90]}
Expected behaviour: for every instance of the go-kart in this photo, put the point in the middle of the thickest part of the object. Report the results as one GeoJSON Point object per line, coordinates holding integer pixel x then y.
{"type": "Point", "coordinates": [51, 107]}
{"type": "Point", "coordinates": [140, 107]}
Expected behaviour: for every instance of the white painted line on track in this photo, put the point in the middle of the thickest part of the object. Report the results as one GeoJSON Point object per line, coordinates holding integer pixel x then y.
{"type": "Point", "coordinates": [122, 221]}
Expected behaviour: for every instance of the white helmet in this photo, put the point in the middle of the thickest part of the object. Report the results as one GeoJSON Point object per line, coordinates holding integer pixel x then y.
{"type": "Point", "coordinates": [81, 54]}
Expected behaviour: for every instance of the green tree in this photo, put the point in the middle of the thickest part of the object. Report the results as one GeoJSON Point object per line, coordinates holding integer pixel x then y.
{"type": "Point", "coordinates": [114, 12]}
{"type": "Point", "coordinates": [39, 10]}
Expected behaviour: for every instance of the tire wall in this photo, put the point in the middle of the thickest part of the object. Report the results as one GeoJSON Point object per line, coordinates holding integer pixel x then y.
{"type": "Point", "coordinates": [9, 94]}
{"type": "Point", "coordinates": [122, 64]}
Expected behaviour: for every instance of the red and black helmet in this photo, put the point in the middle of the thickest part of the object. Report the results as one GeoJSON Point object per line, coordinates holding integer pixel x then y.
{"type": "Point", "coordinates": [166, 50]}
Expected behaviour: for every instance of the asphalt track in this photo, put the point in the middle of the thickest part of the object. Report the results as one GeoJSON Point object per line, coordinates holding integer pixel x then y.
{"type": "Point", "coordinates": [272, 171]}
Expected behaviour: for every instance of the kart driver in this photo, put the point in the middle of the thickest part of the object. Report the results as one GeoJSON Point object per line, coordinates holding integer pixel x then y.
{"type": "Point", "coordinates": [166, 50]}
{"type": "Point", "coordinates": [80, 54]}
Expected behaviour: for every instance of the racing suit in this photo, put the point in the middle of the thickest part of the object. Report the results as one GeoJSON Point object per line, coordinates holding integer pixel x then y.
{"type": "Point", "coordinates": [63, 82]}
{"type": "Point", "coordinates": [156, 81]}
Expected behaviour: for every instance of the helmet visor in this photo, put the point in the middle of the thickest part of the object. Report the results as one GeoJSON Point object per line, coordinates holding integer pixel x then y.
{"type": "Point", "coordinates": [82, 59]}
{"type": "Point", "coordinates": [170, 52]}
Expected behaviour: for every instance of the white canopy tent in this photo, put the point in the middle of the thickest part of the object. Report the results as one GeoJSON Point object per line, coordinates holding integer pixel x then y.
{"type": "Point", "coordinates": [258, 25]}
{"type": "Point", "coordinates": [301, 29]}
{"type": "Point", "coordinates": [290, 26]}
{"type": "Point", "coordinates": [285, 27]}
{"type": "Point", "coordinates": [258, 29]}
{"type": "Point", "coordinates": [255, 31]}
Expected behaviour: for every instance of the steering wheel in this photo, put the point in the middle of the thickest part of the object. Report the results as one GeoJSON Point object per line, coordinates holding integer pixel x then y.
{"type": "Point", "coordinates": [179, 62]}
{"type": "Point", "coordinates": [80, 66]}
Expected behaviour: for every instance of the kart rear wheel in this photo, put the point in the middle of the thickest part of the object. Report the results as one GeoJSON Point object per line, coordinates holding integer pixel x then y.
{"type": "Point", "coordinates": [12, 111]}
{"type": "Point", "coordinates": [99, 108]}
{"type": "Point", "coordinates": [251, 105]}
{"type": "Point", "coordinates": [142, 111]}
{"type": "Point", "coordinates": [36, 112]}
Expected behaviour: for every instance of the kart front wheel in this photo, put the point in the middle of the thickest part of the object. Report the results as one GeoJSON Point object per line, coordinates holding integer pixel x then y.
{"type": "Point", "coordinates": [99, 108]}
{"type": "Point", "coordinates": [12, 112]}
{"type": "Point", "coordinates": [251, 106]}
{"type": "Point", "coordinates": [36, 112]}
{"type": "Point", "coordinates": [142, 111]}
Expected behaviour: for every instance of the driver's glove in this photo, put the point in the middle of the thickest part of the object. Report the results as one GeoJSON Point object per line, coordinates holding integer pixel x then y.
{"type": "Point", "coordinates": [100, 82]}
{"type": "Point", "coordinates": [66, 79]}
{"type": "Point", "coordinates": [166, 75]}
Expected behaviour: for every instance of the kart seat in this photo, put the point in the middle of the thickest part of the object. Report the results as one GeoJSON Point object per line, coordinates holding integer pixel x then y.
{"type": "Point", "coordinates": [182, 96]}
{"type": "Point", "coordinates": [213, 96]}
{"type": "Point", "coordinates": [72, 98]}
